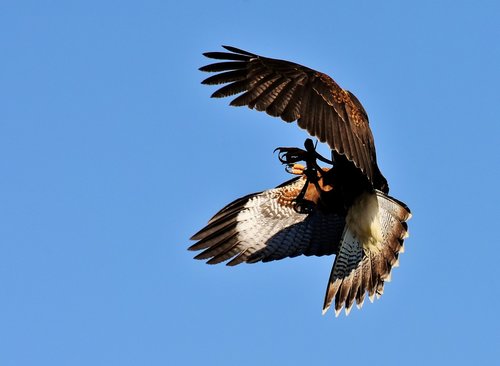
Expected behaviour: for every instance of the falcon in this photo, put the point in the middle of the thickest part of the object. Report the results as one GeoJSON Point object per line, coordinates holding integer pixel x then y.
{"type": "Point", "coordinates": [342, 208]}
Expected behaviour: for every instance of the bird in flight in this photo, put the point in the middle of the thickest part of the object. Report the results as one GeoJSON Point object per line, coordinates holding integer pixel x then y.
{"type": "Point", "coordinates": [342, 209]}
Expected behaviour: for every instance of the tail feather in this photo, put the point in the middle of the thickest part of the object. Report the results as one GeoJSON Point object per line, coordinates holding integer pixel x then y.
{"type": "Point", "coordinates": [356, 283]}
{"type": "Point", "coordinates": [365, 268]}
{"type": "Point", "coordinates": [348, 258]}
{"type": "Point", "coordinates": [359, 269]}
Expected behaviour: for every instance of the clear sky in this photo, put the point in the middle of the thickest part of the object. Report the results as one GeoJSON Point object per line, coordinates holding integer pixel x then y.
{"type": "Point", "coordinates": [112, 155]}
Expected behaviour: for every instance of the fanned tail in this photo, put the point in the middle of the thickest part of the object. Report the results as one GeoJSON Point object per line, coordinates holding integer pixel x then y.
{"type": "Point", "coordinates": [365, 268]}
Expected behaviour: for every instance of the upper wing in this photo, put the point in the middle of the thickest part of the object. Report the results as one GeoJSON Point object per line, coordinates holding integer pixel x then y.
{"type": "Point", "coordinates": [294, 92]}
{"type": "Point", "coordinates": [264, 227]}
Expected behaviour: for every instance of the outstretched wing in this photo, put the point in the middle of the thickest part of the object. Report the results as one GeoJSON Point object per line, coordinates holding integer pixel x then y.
{"type": "Point", "coordinates": [297, 93]}
{"type": "Point", "coordinates": [264, 227]}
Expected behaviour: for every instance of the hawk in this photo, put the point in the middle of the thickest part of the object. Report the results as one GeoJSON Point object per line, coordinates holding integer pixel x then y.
{"type": "Point", "coordinates": [342, 209]}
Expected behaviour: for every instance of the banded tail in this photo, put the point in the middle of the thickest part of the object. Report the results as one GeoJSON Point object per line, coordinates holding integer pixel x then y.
{"type": "Point", "coordinates": [365, 259]}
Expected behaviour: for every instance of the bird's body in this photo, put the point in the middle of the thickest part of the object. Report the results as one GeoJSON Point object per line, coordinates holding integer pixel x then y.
{"type": "Point", "coordinates": [343, 209]}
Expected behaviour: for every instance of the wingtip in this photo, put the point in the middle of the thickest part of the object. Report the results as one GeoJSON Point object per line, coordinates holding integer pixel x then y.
{"type": "Point", "coordinates": [201, 256]}
{"type": "Point", "coordinates": [216, 94]}
{"type": "Point", "coordinates": [238, 50]}
{"type": "Point", "coordinates": [194, 247]}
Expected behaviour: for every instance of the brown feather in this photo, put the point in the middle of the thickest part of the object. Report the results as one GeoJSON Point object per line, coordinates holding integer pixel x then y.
{"type": "Point", "coordinates": [214, 238]}
{"type": "Point", "coordinates": [312, 98]}
{"type": "Point", "coordinates": [221, 247]}
{"type": "Point", "coordinates": [225, 77]}
{"type": "Point", "coordinates": [232, 249]}
{"type": "Point", "coordinates": [223, 66]}
{"type": "Point", "coordinates": [277, 107]}
{"type": "Point", "coordinates": [225, 56]}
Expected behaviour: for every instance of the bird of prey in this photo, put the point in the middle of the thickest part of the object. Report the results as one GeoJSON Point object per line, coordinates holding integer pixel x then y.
{"type": "Point", "coordinates": [342, 209]}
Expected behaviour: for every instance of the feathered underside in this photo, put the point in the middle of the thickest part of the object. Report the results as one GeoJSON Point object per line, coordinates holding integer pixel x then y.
{"type": "Point", "coordinates": [265, 226]}
{"type": "Point", "coordinates": [297, 93]}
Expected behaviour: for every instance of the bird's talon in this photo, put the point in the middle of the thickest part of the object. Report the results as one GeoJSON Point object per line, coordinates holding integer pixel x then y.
{"type": "Point", "coordinates": [290, 155]}
{"type": "Point", "coordinates": [303, 206]}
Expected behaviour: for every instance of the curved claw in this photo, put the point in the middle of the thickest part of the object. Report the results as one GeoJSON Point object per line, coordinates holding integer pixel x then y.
{"type": "Point", "coordinates": [290, 155]}
{"type": "Point", "coordinates": [289, 168]}
{"type": "Point", "coordinates": [303, 206]}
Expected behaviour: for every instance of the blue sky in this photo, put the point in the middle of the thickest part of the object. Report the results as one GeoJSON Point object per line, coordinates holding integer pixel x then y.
{"type": "Point", "coordinates": [112, 155]}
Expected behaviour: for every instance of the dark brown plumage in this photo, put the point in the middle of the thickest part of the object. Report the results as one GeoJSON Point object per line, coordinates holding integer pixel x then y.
{"type": "Point", "coordinates": [297, 93]}
{"type": "Point", "coordinates": [343, 210]}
